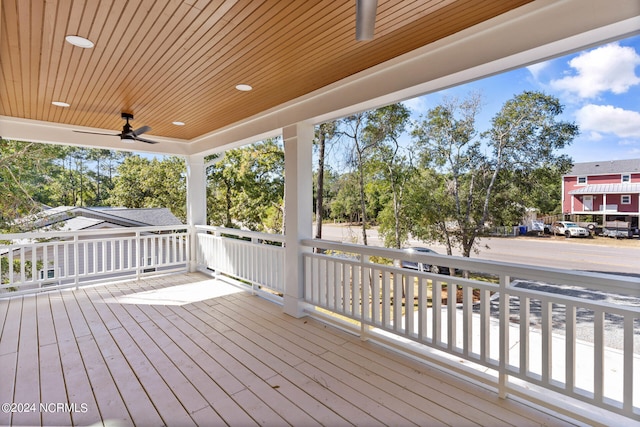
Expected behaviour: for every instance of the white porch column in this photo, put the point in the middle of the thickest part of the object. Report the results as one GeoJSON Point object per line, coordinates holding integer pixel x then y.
{"type": "Point", "coordinates": [196, 199]}
{"type": "Point", "coordinates": [298, 190]}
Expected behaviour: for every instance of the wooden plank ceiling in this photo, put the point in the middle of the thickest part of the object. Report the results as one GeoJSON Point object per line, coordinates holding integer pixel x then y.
{"type": "Point", "coordinates": [169, 60]}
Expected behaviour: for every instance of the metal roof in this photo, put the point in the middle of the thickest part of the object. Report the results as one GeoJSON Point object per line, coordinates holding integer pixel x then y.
{"type": "Point", "coordinates": [624, 188]}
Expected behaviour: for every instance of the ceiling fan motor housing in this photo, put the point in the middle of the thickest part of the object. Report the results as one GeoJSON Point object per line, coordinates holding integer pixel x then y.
{"type": "Point", "coordinates": [126, 129]}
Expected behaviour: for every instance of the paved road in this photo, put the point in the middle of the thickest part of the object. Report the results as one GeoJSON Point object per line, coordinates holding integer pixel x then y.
{"type": "Point", "coordinates": [613, 324]}
{"type": "Point", "coordinates": [546, 251]}
{"type": "Point", "coordinates": [557, 252]}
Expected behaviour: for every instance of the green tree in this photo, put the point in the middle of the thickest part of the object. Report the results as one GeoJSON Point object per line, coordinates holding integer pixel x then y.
{"type": "Point", "coordinates": [472, 182]}
{"type": "Point", "coordinates": [83, 176]}
{"type": "Point", "coordinates": [26, 170]}
{"type": "Point", "coordinates": [329, 188]}
{"type": "Point", "coordinates": [525, 136]}
{"type": "Point", "coordinates": [385, 126]}
{"type": "Point", "coordinates": [375, 149]}
{"type": "Point", "coordinates": [325, 133]}
{"type": "Point", "coordinates": [104, 164]}
{"type": "Point", "coordinates": [362, 144]}
{"type": "Point", "coordinates": [346, 203]}
{"type": "Point", "coordinates": [246, 188]}
{"type": "Point", "coordinates": [446, 141]}
{"type": "Point", "coordinates": [144, 183]}
{"type": "Point", "coordinates": [545, 187]}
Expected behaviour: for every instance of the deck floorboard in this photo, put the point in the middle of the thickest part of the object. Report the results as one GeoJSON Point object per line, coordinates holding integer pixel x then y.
{"type": "Point", "coordinates": [133, 352]}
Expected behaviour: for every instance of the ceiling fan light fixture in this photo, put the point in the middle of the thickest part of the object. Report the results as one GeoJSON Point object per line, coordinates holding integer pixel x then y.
{"type": "Point", "coordinates": [61, 104]}
{"type": "Point", "coordinates": [244, 87]}
{"type": "Point", "coordinates": [365, 19]}
{"type": "Point", "coordinates": [79, 41]}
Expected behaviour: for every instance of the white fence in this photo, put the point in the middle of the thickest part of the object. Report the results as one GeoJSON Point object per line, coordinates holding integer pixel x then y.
{"type": "Point", "coordinates": [44, 260]}
{"type": "Point", "coordinates": [578, 347]}
{"type": "Point", "coordinates": [256, 258]}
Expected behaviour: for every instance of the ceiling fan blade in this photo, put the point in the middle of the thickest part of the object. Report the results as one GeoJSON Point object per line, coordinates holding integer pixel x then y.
{"type": "Point", "coordinates": [97, 133]}
{"type": "Point", "coordinates": [141, 130]}
{"type": "Point", "coordinates": [148, 141]}
{"type": "Point", "coordinates": [365, 19]}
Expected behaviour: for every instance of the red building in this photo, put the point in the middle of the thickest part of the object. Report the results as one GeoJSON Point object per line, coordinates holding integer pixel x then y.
{"type": "Point", "coordinates": [607, 190]}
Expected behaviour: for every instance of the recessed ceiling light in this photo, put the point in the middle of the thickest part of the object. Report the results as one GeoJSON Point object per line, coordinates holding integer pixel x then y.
{"type": "Point", "coordinates": [244, 88]}
{"type": "Point", "coordinates": [80, 42]}
{"type": "Point", "coordinates": [60, 104]}
{"type": "Point", "coordinates": [178, 123]}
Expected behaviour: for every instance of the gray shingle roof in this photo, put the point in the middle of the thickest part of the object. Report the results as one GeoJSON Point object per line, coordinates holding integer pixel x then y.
{"type": "Point", "coordinates": [124, 217]}
{"type": "Point", "coordinates": [605, 167]}
{"type": "Point", "coordinates": [149, 216]}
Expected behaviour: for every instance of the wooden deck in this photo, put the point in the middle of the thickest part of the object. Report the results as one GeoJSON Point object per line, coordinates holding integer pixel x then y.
{"type": "Point", "coordinates": [187, 350]}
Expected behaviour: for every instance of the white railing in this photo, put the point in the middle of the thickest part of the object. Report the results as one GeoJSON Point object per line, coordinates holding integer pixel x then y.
{"type": "Point", "coordinates": [256, 258]}
{"type": "Point", "coordinates": [555, 341]}
{"type": "Point", "coordinates": [45, 260]}
{"type": "Point", "coordinates": [521, 335]}
{"type": "Point", "coordinates": [608, 208]}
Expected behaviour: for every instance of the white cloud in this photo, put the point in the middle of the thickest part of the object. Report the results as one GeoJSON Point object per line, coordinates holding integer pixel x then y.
{"type": "Point", "coordinates": [624, 142]}
{"type": "Point", "coordinates": [607, 68]}
{"type": "Point", "coordinates": [417, 105]}
{"type": "Point", "coordinates": [594, 136]}
{"type": "Point", "coordinates": [536, 69]}
{"type": "Point", "coordinates": [602, 119]}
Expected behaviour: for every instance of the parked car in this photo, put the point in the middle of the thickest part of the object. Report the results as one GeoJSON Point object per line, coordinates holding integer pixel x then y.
{"type": "Point", "coordinates": [569, 229]}
{"type": "Point", "coordinates": [421, 266]}
{"type": "Point", "coordinates": [617, 229]}
{"type": "Point", "coordinates": [537, 227]}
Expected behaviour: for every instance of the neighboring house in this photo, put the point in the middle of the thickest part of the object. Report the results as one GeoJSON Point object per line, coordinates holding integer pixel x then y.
{"type": "Point", "coordinates": [111, 256]}
{"type": "Point", "coordinates": [74, 218]}
{"type": "Point", "coordinates": [606, 190]}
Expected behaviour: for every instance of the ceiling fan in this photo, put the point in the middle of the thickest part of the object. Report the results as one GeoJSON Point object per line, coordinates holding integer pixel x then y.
{"type": "Point", "coordinates": [365, 19]}
{"type": "Point", "coordinates": [127, 134]}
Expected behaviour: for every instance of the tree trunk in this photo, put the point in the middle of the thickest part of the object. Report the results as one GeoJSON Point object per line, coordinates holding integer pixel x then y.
{"type": "Point", "coordinates": [363, 205]}
{"type": "Point", "coordinates": [320, 186]}
{"type": "Point", "coordinates": [396, 215]}
{"type": "Point", "coordinates": [227, 220]}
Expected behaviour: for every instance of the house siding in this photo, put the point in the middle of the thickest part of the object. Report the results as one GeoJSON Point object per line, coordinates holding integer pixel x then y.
{"type": "Point", "coordinates": [610, 183]}
{"type": "Point", "coordinates": [605, 179]}
{"type": "Point", "coordinates": [570, 184]}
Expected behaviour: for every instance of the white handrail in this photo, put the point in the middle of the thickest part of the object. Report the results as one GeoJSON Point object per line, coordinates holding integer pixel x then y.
{"type": "Point", "coordinates": [259, 261]}
{"type": "Point", "coordinates": [37, 261]}
{"type": "Point", "coordinates": [599, 281]}
{"type": "Point", "coordinates": [489, 322]}
{"type": "Point", "coordinates": [241, 233]}
{"type": "Point", "coordinates": [54, 234]}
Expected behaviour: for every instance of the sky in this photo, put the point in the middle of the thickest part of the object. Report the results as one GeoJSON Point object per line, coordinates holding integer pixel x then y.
{"type": "Point", "coordinates": [599, 89]}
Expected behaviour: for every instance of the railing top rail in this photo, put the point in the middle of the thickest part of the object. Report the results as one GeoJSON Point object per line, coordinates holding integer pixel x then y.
{"type": "Point", "coordinates": [100, 232]}
{"type": "Point", "coordinates": [599, 281]}
{"type": "Point", "coordinates": [242, 233]}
